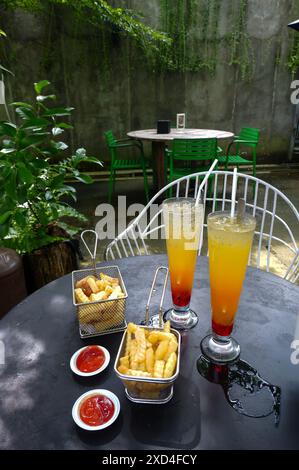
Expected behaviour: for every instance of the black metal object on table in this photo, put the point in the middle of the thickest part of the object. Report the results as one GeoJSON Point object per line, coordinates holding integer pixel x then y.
{"type": "Point", "coordinates": [38, 388]}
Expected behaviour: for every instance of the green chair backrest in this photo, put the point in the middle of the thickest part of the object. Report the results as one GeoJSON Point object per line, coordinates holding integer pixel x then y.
{"type": "Point", "coordinates": [250, 134]}
{"type": "Point", "coordinates": [194, 149]}
{"type": "Point", "coordinates": [110, 139]}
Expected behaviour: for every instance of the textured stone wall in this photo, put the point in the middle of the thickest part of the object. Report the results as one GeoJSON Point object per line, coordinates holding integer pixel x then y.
{"type": "Point", "coordinates": [128, 96]}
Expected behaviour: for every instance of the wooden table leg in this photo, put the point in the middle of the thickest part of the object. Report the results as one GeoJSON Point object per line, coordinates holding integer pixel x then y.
{"type": "Point", "coordinates": [159, 170]}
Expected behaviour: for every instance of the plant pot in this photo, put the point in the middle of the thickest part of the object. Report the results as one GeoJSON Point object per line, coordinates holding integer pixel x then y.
{"type": "Point", "coordinates": [49, 263]}
{"type": "Point", "coordinates": [12, 281]}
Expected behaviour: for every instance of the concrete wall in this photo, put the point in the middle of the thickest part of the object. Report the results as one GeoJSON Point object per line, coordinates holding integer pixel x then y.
{"type": "Point", "coordinates": [57, 47]}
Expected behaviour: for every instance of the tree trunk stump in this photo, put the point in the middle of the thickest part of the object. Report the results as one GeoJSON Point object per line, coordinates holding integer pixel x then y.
{"type": "Point", "coordinates": [49, 263]}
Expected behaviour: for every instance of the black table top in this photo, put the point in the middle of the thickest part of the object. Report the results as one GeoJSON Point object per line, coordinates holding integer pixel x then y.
{"type": "Point", "coordinates": [38, 389]}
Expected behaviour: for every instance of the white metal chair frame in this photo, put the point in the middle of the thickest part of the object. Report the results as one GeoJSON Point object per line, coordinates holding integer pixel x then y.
{"type": "Point", "coordinates": [131, 241]}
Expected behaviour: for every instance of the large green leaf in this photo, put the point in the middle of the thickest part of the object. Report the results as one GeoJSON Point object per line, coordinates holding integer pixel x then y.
{"type": "Point", "coordinates": [57, 182]}
{"type": "Point", "coordinates": [25, 112]}
{"type": "Point", "coordinates": [16, 104]}
{"type": "Point", "coordinates": [5, 216]}
{"type": "Point", "coordinates": [39, 86]}
{"type": "Point", "coordinates": [35, 123]}
{"type": "Point", "coordinates": [7, 150]}
{"type": "Point", "coordinates": [64, 125]}
{"type": "Point", "coordinates": [41, 98]}
{"type": "Point", "coordinates": [57, 112]}
{"type": "Point", "coordinates": [39, 163]}
{"type": "Point", "coordinates": [84, 178]}
{"type": "Point", "coordinates": [25, 174]}
{"type": "Point", "coordinates": [8, 129]}
{"type": "Point", "coordinates": [33, 140]}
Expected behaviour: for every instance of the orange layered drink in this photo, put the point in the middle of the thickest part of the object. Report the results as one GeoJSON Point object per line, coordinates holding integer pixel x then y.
{"type": "Point", "coordinates": [229, 241]}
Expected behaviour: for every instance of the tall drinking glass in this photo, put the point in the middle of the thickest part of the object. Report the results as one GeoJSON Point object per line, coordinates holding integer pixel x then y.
{"type": "Point", "coordinates": [183, 224]}
{"type": "Point", "coordinates": [229, 241]}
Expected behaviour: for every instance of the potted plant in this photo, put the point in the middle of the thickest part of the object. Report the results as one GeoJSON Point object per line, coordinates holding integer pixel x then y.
{"type": "Point", "coordinates": [36, 218]}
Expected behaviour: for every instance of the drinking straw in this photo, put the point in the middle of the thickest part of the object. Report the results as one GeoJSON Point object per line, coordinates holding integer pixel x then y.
{"type": "Point", "coordinates": [205, 180]}
{"type": "Point", "coordinates": [234, 191]}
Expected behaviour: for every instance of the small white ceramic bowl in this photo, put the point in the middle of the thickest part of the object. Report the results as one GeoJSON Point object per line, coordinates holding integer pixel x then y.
{"type": "Point", "coordinates": [73, 362]}
{"type": "Point", "coordinates": [79, 401]}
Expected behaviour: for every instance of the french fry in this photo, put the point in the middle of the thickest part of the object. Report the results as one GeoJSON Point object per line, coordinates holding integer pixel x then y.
{"type": "Point", "coordinates": [83, 281]}
{"type": "Point", "coordinates": [86, 288]}
{"type": "Point", "coordinates": [153, 337]}
{"type": "Point", "coordinates": [99, 296]}
{"type": "Point", "coordinates": [128, 343]}
{"type": "Point", "coordinates": [132, 327]}
{"type": "Point", "coordinates": [170, 365]}
{"type": "Point", "coordinates": [125, 361]}
{"type": "Point", "coordinates": [161, 350]}
{"type": "Point", "coordinates": [81, 298]}
{"type": "Point", "coordinates": [115, 293]}
{"type": "Point", "coordinates": [172, 347]}
{"type": "Point", "coordinates": [123, 369]}
{"type": "Point", "coordinates": [138, 373]}
{"type": "Point", "coordinates": [92, 284]}
{"type": "Point", "coordinates": [167, 326]}
{"type": "Point", "coordinates": [133, 351]}
{"type": "Point", "coordinates": [109, 279]}
{"type": "Point", "coordinates": [141, 366]}
{"type": "Point", "coordinates": [156, 336]}
{"type": "Point", "coordinates": [101, 284]}
{"type": "Point", "coordinates": [159, 369]}
{"type": "Point", "coordinates": [150, 360]}
{"type": "Point", "coordinates": [141, 344]}
{"type": "Point", "coordinates": [108, 290]}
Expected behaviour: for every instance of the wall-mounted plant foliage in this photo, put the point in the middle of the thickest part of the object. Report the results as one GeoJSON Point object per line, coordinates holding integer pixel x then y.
{"type": "Point", "coordinates": [99, 12]}
{"type": "Point", "coordinates": [293, 60]}
{"type": "Point", "coordinates": [191, 40]}
{"type": "Point", "coordinates": [182, 18]}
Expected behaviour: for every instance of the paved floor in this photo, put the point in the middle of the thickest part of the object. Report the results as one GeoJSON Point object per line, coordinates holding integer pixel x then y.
{"type": "Point", "coordinates": [92, 196]}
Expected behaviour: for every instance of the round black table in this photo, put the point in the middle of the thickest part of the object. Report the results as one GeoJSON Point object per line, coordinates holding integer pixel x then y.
{"type": "Point", "coordinates": [38, 389]}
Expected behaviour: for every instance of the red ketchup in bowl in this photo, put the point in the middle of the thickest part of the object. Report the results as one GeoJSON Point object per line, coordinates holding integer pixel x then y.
{"type": "Point", "coordinates": [96, 410]}
{"type": "Point", "coordinates": [90, 359]}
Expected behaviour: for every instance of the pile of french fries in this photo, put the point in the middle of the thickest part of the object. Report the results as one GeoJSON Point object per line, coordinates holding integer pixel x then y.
{"type": "Point", "coordinates": [149, 353]}
{"type": "Point", "coordinates": [91, 289]}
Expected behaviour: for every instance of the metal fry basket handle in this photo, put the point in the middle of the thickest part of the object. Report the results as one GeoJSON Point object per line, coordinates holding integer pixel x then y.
{"type": "Point", "coordinates": [161, 268]}
{"type": "Point", "coordinates": [94, 253]}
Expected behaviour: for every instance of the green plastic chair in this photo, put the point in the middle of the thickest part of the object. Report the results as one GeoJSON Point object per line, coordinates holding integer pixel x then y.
{"type": "Point", "coordinates": [120, 163]}
{"type": "Point", "coordinates": [248, 137]}
{"type": "Point", "coordinates": [187, 151]}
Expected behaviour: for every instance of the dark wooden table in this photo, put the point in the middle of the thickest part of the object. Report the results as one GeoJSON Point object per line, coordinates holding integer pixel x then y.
{"type": "Point", "coordinates": [38, 389]}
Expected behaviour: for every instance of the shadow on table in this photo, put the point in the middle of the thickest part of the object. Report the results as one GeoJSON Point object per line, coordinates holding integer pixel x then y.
{"type": "Point", "coordinates": [103, 437]}
{"type": "Point", "coordinates": [170, 425]}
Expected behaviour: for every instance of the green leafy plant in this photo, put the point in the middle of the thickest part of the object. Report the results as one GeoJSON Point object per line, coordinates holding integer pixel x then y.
{"type": "Point", "coordinates": [34, 194]}
{"type": "Point", "coordinates": [99, 13]}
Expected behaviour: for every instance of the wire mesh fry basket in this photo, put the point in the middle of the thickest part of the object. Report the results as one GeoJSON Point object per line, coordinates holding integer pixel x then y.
{"type": "Point", "coordinates": [100, 317]}
{"type": "Point", "coordinates": [149, 390]}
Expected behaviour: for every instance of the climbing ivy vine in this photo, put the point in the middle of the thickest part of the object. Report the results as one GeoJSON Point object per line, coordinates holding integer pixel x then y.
{"type": "Point", "coordinates": [191, 41]}
{"type": "Point", "coordinates": [98, 12]}
{"type": "Point", "coordinates": [179, 19]}
{"type": "Point", "coordinates": [293, 59]}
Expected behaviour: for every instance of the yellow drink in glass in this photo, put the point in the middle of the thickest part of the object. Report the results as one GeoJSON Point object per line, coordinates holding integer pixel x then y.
{"type": "Point", "coordinates": [229, 247]}
{"type": "Point", "coordinates": [229, 242]}
{"type": "Point", "coordinates": [183, 224]}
